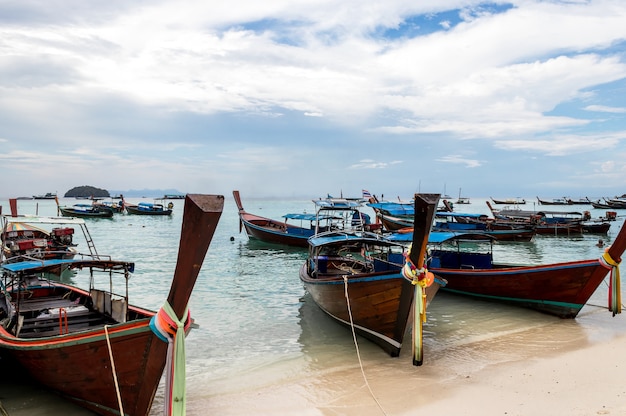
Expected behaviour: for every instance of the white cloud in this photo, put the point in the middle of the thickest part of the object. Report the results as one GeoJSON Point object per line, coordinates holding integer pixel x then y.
{"type": "Point", "coordinates": [605, 109]}
{"type": "Point", "coordinates": [120, 77]}
{"type": "Point", "coordinates": [457, 159]}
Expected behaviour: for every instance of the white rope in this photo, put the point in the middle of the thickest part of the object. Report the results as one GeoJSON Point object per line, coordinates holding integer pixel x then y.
{"type": "Point", "coordinates": [356, 344]}
{"type": "Point", "coordinates": [117, 387]}
{"type": "Point", "coordinates": [3, 411]}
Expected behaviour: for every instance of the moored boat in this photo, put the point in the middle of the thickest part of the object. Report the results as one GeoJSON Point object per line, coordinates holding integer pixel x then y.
{"type": "Point", "coordinates": [509, 201]}
{"type": "Point", "coordinates": [560, 289]}
{"type": "Point", "coordinates": [91, 345]}
{"type": "Point", "coordinates": [47, 195]}
{"type": "Point", "coordinates": [85, 211]}
{"type": "Point", "coordinates": [357, 279]}
{"type": "Point", "coordinates": [149, 208]}
{"type": "Point", "coordinates": [330, 214]}
{"type": "Point", "coordinates": [554, 201]}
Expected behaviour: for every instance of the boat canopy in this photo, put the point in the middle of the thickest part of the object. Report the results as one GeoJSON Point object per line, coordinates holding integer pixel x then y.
{"type": "Point", "coordinates": [336, 238]}
{"type": "Point", "coordinates": [439, 237]}
{"type": "Point", "coordinates": [393, 208]}
{"type": "Point", "coordinates": [35, 266]}
{"type": "Point", "coordinates": [304, 217]}
{"type": "Point", "coordinates": [337, 204]}
{"type": "Point", "coordinates": [43, 220]}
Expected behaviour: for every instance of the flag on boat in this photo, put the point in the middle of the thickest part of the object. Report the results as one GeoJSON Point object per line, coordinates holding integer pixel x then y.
{"type": "Point", "coordinates": [366, 193]}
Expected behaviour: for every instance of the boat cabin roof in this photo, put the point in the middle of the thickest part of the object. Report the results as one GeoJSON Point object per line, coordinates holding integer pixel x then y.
{"type": "Point", "coordinates": [342, 238]}
{"type": "Point", "coordinates": [440, 237]}
{"type": "Point", "coordinates": [38, 266]}
{"type": "Point", "coordinates": [394, 208]}
{"type": "Point", "coordinates": [42, 220]}
{"type": "Point", "coordinates": [337, 204]}
{"type": "Point", "coordinates": [308, 217]}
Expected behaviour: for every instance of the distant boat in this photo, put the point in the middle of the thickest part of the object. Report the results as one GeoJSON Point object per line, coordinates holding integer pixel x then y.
{"type": "Point", "coordinates": [580, 201]}
{"type": "Point", "coordinates": [555, 201]}
{"type": "Point", "coordinates": [148, 208]}
{"type": "Point", "coordinates": [86, 211]}
{"type": "Point", "coordinates": [509, 201]}
{"type": "Point", "coordinates": [174, 196]}
{"type": "Point", "coordinates": [462, 199]}
{"type": "Point", "coordinates": [48, 195]}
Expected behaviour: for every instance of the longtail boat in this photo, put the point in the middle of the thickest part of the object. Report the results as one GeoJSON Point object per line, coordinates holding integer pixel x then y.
{"type": "Point", "coordinates": [330, 213]}
{"type": "Point", "coordinates": [560, 289]}
{"type": "Point", "coordinates": [359, 279]}
{"type": "Point", "coordinates": [91, 345]}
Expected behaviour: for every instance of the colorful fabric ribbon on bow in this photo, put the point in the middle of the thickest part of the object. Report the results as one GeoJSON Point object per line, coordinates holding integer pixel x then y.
{"type": "Point", "coordinates": [167, 327]}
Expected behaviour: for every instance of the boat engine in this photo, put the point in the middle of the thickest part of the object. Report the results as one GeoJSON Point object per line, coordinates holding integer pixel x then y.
{"type": "Point", "coordinates": [30, 247]}
{"type": "Point", "coordinates": [62, 236]}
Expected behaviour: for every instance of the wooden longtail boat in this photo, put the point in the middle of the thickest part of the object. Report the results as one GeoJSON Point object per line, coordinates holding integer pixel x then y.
{"type": "Point", "coordinates": [274, 231]}
{"type": "Point", "coordinates": [509, 201]}
{"type": "Point", "coordinates": [149, 208]}
{"type": "Point", "coordinates": [86, 211]}
{"type": "Point", "coordinates": [92, 346]}
{"type": "Point", "coordinates": [330, 213]}
{"type": "Point", "coordinates": [369, 269]}
{"type": "Point", "coordinates": [560, 289]}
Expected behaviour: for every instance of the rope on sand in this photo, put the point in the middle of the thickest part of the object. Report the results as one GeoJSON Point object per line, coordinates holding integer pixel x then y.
{"type": "Point", "coordinates": [3, 412]}
{"type": "Point", "coordinates": [356, 344]}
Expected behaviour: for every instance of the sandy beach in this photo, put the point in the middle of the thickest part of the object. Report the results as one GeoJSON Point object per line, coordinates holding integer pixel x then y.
{"type": "Point", "coordinates": [550, 367]}
{"type": "Point", "coordinates": [581, 382]}
{"type": "Point", "coordinates": [587, 381]}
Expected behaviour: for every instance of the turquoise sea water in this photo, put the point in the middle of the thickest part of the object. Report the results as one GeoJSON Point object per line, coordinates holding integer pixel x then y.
{"type": "Point", "coordinates": [263, 347]}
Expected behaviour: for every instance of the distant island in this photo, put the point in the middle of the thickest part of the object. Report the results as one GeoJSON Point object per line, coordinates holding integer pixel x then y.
{"type": "Point", "coordinates": [87, 192]}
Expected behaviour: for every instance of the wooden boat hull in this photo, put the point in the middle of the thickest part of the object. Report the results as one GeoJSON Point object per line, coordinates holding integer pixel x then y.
{"type": "Point", "coordinates": [380, 304]}
{"type": "Point", "coordinates": [68, 212]}
{"type": "Point", "coordinates": [135, 211]}
{"type": "Point", "coordinates": [560, 289]}
{"type": "Point", "coordinates": [559, 228]}
{"type": "Point", "coordinates": [136, 350]}
{"type": "Point", "coordinates": [270, 231]}
{"type": "Point", "coordinates": [597, 227]}
{"type": "Point", "coordinates": [392, 223]}
{"type": "Point", "coordinates": [509, 201]}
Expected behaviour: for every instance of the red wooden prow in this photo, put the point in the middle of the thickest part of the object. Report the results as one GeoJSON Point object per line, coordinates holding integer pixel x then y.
{"type": "Point", "coordinates": [13, 205]}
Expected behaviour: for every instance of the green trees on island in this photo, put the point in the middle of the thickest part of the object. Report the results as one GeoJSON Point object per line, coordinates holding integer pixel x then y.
{"type": "Point", "coordinates": [86, 192]}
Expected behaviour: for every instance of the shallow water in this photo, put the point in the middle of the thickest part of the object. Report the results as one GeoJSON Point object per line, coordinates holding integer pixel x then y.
{"type": "Point", "coordinates": [263, 347]}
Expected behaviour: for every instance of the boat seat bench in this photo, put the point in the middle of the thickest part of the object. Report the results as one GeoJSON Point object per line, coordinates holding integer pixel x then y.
{"type": "Point", "coordinates": [34, 327]}
{"type": "Point", "coordinates": [47, 303]}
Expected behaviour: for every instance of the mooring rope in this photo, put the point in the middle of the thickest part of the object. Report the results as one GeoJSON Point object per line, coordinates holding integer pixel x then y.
{"type": "Point", "coordinates": [3, 411]}
{"type": "Point", "coordinates": [117, 387]}
{"type": "Point", "coordinates": [356, 344]}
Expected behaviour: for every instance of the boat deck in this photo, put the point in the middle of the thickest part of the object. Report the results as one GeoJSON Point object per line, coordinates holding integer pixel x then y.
{"type": "Point", "coordinates": [58, 316]}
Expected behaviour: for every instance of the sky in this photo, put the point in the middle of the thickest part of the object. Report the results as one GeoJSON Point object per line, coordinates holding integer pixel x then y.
{"type": "Point", "coordinates": [303, 98]}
